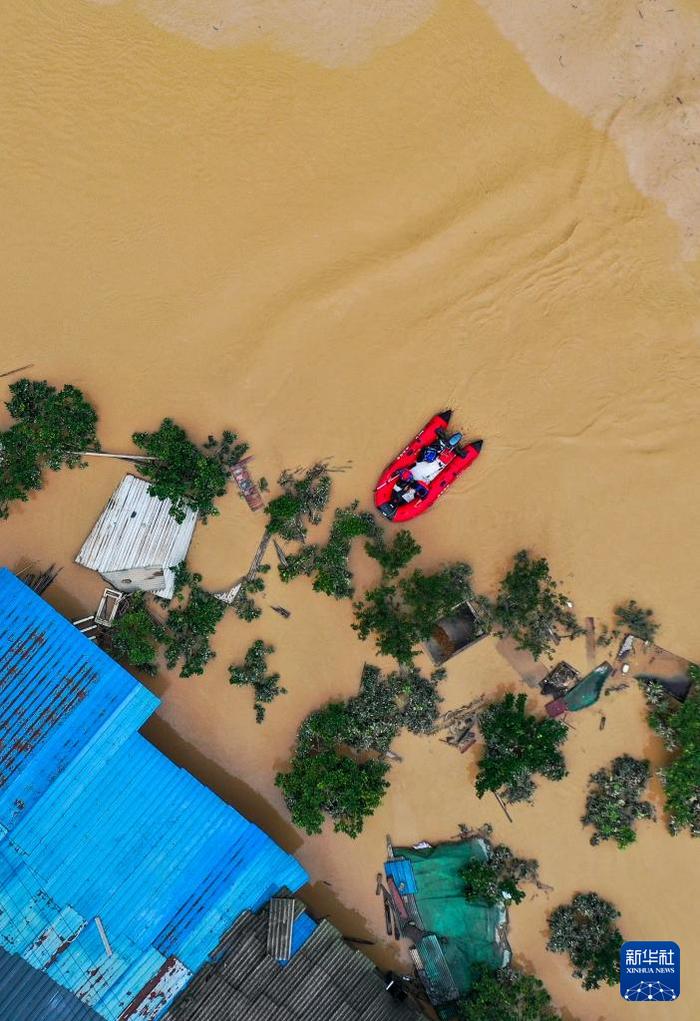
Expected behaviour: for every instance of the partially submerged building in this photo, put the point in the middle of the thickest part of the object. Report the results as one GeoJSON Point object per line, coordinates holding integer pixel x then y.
{"type": "Point", "coordinates": [449, 935]}
{"type": "Point", "coordinates": [119, 872]}
{"type": "Point", "coordinates": [451, 634]}
{"type": "Point", "coordinates": [136, 543]}
{"type": "Point", "coordinates": [649, 662]}
{"type": "Point", "coordinates": [278, 964]}
{"type": "Point", "coordinates": [583, 694]}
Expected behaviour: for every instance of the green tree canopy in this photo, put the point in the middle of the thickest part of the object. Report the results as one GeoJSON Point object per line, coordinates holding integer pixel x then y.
{"type": "Point", "coordinates": [330, 771]}
{"type": "Point", "coordinates": [329, 564]}
{"type": "Point", "coordinates": [384, 705]}
{"type": "Point", "coordinates": [530, 608]}
{"type": "Point", "coordinates": [517, 745]}
{"type": "Point", "coordinates": [680, 729]}
{"type": "Point", "coordinates": [400, 615]}
{"type": "Point", "coordinates": [253, 672]}
{"type": "Point", "coordinates": [395, 555]}
{"type": "Point", "coordinates": [614, 803]}
{"type": "Point", "coordinates": [51, 428]}
{"type": "Point", "coordinates": [496, 878]}
{"type": "Point", "coordinates": [301, 502]}
{"type": "Point", "coordinates": [634, 618]}
{"type": "Point", "coordinates": [585, 930]}
{"type": "Point", "coordinates": [506, 995]}
{"type": "Point", "coordinates": [191, 477]}
{"type": "Point", "coordinates": [190, 625]}
{"type": "Point", "coordinates": [323, 781]}
{"type": "Point", "coordinates": [135, 636]}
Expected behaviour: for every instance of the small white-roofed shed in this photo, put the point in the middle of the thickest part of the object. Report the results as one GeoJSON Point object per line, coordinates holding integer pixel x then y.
{"type": "Point", "coordinates": [136, 542]}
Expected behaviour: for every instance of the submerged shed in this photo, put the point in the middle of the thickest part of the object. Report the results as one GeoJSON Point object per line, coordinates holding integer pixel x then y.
{"type": "Point", "coordinates": [650, 662]}
{"type": "Point", "coordinates": [583, 694]}
{"type": "Point", "coordinates": [451, 634]}
{"type": "Point", "coordinates": [451, 936]}
{"type": "Point", "coordinates": [136, 542]}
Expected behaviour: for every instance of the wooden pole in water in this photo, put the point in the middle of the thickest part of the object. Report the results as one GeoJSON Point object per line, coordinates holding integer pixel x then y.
{"type": "Point", "coordinates": [501, 803]}
{"type": "Point", "coordinates": [121, 457]}
{"type": "Point", "coordinates": [11, 372]}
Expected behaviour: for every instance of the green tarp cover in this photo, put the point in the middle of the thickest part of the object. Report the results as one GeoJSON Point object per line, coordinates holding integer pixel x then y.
{"type": "Point", "coordinates": [467, 931]}
{"type": "Point", "coordinates": [588, 690]}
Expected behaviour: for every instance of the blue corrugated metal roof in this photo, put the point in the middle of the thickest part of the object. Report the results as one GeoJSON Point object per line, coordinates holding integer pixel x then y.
{"type": "Point", "coordinates": [96, 823]}
{"type": "Point", "coordinates": [303, 927]}
{"type": "Point", "coordinates": [401, 871]}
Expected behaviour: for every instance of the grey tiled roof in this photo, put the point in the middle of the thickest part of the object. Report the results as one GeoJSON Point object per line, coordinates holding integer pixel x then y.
{"type": "Point", "coordinates": [279, 929]}
{"type": "Point", "coordinates": [27, 994]}
{"type": "Point", "coordinates": [325, 980]}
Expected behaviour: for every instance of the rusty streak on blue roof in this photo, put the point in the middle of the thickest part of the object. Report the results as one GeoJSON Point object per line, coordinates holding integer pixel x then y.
{"type": "Point", "coordinates": [95, 822]}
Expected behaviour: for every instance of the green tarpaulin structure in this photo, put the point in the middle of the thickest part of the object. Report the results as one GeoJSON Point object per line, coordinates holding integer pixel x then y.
{"type": "Point", "coordinates": [583, 694]}
{"type": "Point", "coordinates": [467, 932]}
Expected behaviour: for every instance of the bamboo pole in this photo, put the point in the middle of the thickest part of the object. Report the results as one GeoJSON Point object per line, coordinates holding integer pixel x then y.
{"type": "Point", "coordinates": [11, 372]}
{"type": "Point", "coordinates": [502, 804]}
{"type": "Point", "coordinates": [121, 457]}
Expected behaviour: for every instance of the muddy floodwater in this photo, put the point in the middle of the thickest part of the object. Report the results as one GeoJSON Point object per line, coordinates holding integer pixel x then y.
{"type": "Point", "coordinates": [319, 223]}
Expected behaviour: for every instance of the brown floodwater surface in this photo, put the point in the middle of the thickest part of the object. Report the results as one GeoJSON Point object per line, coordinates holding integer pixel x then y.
{"type": "Point", "coordinates": [320, 241]}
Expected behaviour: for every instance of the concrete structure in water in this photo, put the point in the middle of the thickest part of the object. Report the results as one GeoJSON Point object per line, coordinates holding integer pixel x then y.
{"type": "Point", "coordinates": [119, 872]}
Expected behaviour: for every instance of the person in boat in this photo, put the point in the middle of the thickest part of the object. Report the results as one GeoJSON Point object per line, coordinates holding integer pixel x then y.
{"type": "Point", "coordinates": [413, 482]}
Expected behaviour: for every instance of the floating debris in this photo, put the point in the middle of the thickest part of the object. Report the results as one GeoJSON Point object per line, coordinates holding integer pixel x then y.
{"type": "Point", "coordinates": [247, 487]}
{"type": "Point", "coordinates": [280, 554]}
{"type": "Point", "coordinates": [228, 596]}
{"type": "Point", "coordinates": [559, 680]}
{"type": "Point", "coordinates": [108, 609]}
{"type": "Point", "coordinates": [282, 612]}
{"type": "Point", "coordinates": [39, 581]}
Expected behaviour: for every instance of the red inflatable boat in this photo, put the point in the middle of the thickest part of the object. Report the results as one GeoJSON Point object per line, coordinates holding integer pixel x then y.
{"type": "Point", "coordinates": [423, 471]}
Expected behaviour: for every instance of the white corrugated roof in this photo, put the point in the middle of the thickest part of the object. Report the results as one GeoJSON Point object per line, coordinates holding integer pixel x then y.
{"type": "Point", "coordinates": [137, 530]}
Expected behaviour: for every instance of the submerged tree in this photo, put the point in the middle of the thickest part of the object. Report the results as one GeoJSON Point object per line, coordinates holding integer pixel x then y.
{"type": "Point", "coordinates": [401, 615]}
{"type": "Point", "coordinates": [631, 617]}
{"type": "Point", "coordinates": [329, 564]}
{"type": "Point", "coordinates": [191, 477]}
{"type": "Point", "coordinates": [190, 625]}
{"type": "Point", "coordinates": [530, 608]}
{"type": "Point", "coordinates": [51, 429]}
{"type": "Point", "coordinates": [680, 729]}
{"type": "Point", "coordinates": [135, 636]}
{"type": "Point", "coordinates": [506, 994]}
{"type": "Point", "coordinates": [517, 745]}
{"type": "Point", "coordinates": [301, 502]}
{"type": "Point", "coordinates": [372, 719]}
{"type": "Point", "coordinates": [384, 705]}
{"type": "Point", "coordinates": [418, 698]}
{"type": "Point", "coordinates": [640, 622]}
{"type": "Point", "coordinates": [253, 672]}
{"type": "Point", "coordinates": [496, 878]}
{"type": "Point", "coordinates": [324, 780]}
{"type": "Point", "coordinates": [395, 555]}
{"type": "Point", "coordinates": [614, 803]}
{"type": "Point", "coordinates": [327, 776]}
{"type": "Point", "coordinates": [585, 930]}
{"type": "Point", "coordinates": [244, 605]}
